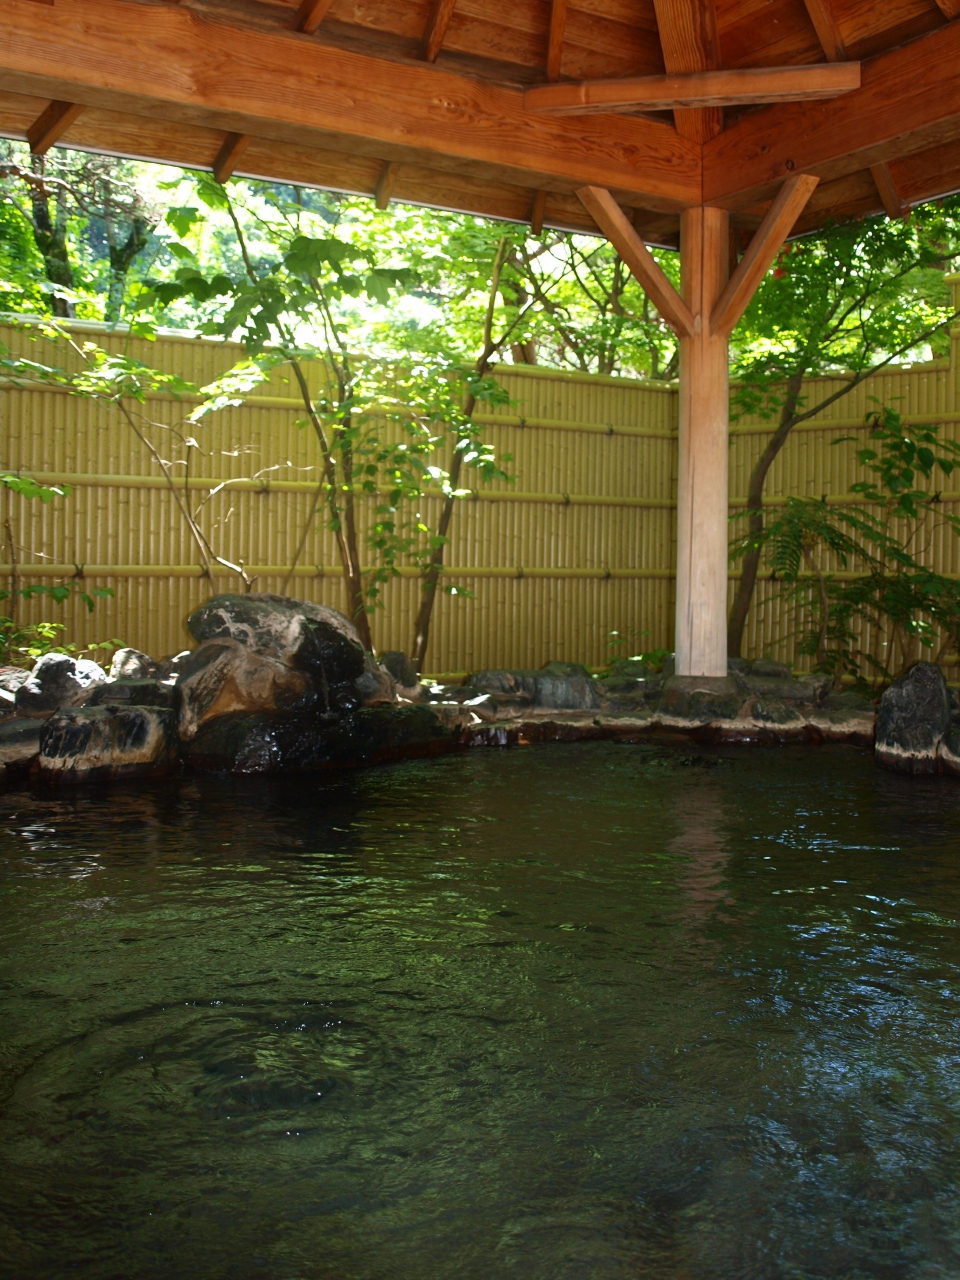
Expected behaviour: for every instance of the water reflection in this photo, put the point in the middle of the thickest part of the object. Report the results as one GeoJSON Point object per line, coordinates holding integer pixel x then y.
{"type": "Point", "coordinates": [487, 1016]}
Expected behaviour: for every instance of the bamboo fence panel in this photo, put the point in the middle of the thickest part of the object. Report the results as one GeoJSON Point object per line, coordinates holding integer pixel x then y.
{"type": "Point", "coordinates": [580, 544]}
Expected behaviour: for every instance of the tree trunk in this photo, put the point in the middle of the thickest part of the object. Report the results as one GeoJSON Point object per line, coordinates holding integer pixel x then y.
{"type": "Point", "coordinates": [758, 477]}
{"type": "Point", "coordinates": [50, 236]}
{"type": "Point", "coordinates": [121, 260]}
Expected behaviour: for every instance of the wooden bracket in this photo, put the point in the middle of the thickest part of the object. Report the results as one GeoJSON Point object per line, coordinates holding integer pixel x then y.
{"type": "Point", "coordinates": [536, 212]}
{"type": "Point", "coordinates": [441, 11]}
{"type": "Point", "coordinates": [887, 188]}
{"type": "Point", "coordinates": [618, 229]}
{"type": "Point", "coordinates": [385, 183]}
{"type": "Point", "coordinates": [228, 157]}
{"type": "Point", "coordinates": [310, 14]}
{"type": "Point", "coordinates": [764, 247]}
{"type": "Point", "coordinates": [50, 126]}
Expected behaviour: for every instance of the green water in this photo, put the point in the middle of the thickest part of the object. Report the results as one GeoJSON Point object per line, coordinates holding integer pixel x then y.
{"type": "Point", "coordinates": [592, 1011]}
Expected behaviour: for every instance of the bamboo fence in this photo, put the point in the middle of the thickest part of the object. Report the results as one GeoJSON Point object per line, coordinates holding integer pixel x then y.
{"type": "Point", "coordinates": [579, 545]}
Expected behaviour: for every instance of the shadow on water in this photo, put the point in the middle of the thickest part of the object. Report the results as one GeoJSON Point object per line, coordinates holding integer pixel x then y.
{"type": "Point", "coordinates": [580, 1011]}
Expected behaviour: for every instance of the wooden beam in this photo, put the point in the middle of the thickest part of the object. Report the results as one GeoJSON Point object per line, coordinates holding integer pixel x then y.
{"type": "Point", "coordinates": [888, 189]}
{"type": "Point", "coordinates": [908, 100]}
{"type": "Point", "coordinates": [537, 211]}
{"type": "Point", "coordinates": [441, 11]}
{"type": "Point", "coordinates": [688, 39]}
{"type": "Point", "coordinates": [385, 183]}
{"type": "Point", "coordinates": [558, 23]}
{"type": "Point", "coordinates": [107, 54]}
{"type": "Point", "coordinates": [228, 157]}
{"type": "Point", "coordinates": [50, 126]}
{"type": "Point", "coordinates": [310, 14]}
{"type": "Point", "coordinates": [764, 247]}
{"type": "Point", "coordinates": [616, 226]}
{"type": "Point", "coordinates": [949, 8]}
{"type": "Point", "coordinates": [699, 89]}
{"type": "Point", "coordinates": [828, 33]}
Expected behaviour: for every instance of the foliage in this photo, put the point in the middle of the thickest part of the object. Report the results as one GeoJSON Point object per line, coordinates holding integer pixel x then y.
{"type": "Point", "coordinates": [810, 545]}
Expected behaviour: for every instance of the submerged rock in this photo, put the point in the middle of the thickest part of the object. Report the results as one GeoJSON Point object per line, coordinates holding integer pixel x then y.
{"type": "Point", "coordinates": [308, 637]}
{"type": "Point", "coordinates": [131, 664]}
{"type": "Point", "coordinates": [913, 719]}
{"type": "Point", "coordinates": [58, 681]}
{"type": "Point", "coordinates": [86, 743]}
{"type": "Point", "coordinates": [270, 743]}
{"type": "Point", "coordinates": [224, 677]}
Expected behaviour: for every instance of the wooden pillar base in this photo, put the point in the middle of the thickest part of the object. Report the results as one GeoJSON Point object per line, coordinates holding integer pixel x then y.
{"type": "Point", "coordinates": [703, 466]}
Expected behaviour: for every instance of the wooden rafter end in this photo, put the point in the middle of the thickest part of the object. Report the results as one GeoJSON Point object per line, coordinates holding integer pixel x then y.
{"type": "Point", "coordinates": [50, 126]}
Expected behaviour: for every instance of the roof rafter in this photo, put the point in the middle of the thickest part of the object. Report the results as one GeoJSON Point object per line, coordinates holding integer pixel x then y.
{"type": "Point", "coordinates": [688, 38]}
{"type": "Point", "coordinates": [50, 126]}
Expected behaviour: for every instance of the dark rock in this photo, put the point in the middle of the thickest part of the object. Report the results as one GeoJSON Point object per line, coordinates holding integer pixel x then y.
{"type": "Point", "coordinates": [669, 665]}
{"type": "Point", "coordinates": [11, 678]}
{"type": "Point", "coordinates": [772, 711]}
{"type": "Point", "coordinates": [267, 744]}
{"type": "Point", "coordinates": [950, 751]}
{"type": "Point", "coordinates": [169, 668]}
{"type": "Point", "coordinates": [913, 718]}
{"type": "Point", "coordinates": [849, 700]}
{"type": "Point", "coordinates": [701, 699]}
{"type": "Point", "coordinates": [787, 689]}
{"type": "Point", "coordinates": [58, 681]}
{"type": "Point", "coordinates": [401, 668]}
{"type": "Point", "coordinates": [131, 664]}
{"type": "Point", "coordinates": [565, 669]}
{"type": "Point", "coordinates": [629, 669]}
{"type": "Point", "coordinates": [224, 677]}
{"type": "Point", "coordinates": [543, 689]}
{"type": "Point", "coordinates": [376, 686]}
{"type": "Point", "coordinates": [134, 693]}
{"type": "Point", "coordinates": [738, 667]}
{"type": "Point", "coordinates": [770, 669]}
{"type": "Point", "coordinates": [19, 740]}
{"type": "Point", "coordinates": [81, 744]}
{"type": "Point", "coordinates": [310, 637]}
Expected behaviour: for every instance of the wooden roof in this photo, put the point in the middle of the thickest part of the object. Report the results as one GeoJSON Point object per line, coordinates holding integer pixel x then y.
{"type": "Point", "coordinates": [425, 100]}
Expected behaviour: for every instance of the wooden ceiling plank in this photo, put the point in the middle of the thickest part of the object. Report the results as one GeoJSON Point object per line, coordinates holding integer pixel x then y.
{"type": "Point", "coordinates": [228, 157]}
{"type": "Point", "coordinates": [688, 38]}
{"type": "Point", "coordinates": [887, 188]}
{"type": "Point", "coordinates": [949, 8]}
{"type": "Point", "coordinates": [618, 229]}
{"type": "Point", "coordinates": [909, 100]}
{"type": "Point", "coordinates": [441, 11]}
{"type": "Point", "coordinates": [764, 247]}
{"type": "Point", "coordinates": [310, 14]}
{"type": "Point", "coordinates": [284, 87]}
{"type": "Point", "coordinates": [703, 88]}
{"type": "Point", "coordinates": [828, 33]}
{"type": "Point", "coordinates": [50, 126]}
{"type": "Point", "coordinates": [558, 26]}
{"type": "Point", "coordinates": [386, 181]}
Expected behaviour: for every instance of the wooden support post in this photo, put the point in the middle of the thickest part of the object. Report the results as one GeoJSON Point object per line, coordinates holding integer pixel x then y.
{"type": "Point", "coordinates": [702, 485]}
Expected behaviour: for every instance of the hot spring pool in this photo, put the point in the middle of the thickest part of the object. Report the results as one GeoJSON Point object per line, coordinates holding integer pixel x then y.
{"type": "Point", "coordinates": [592, 1011]}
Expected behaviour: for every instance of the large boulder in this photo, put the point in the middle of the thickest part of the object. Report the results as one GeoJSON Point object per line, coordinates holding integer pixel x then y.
{"type": "Point", "coordinates": [134, 693]}
{"type": "Point", "coordinates": [701, 699]}
{"type": "Point", "coordinates": [58, 681]}
{"type": "Point", "coordinates": [225, 677]}
{"type": "Point", "coordinates": [11, 678]}
{"type": "Point", "coordinates": [309, 637]}
{"type": "Point", "coordinates": [308, 743]}
{"type": "Point", "coordinates": [913, 719]}
{"type": "Point", "coordinates": [82, 744]}
{"type": "Point", "coordinates": [131, 664]}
